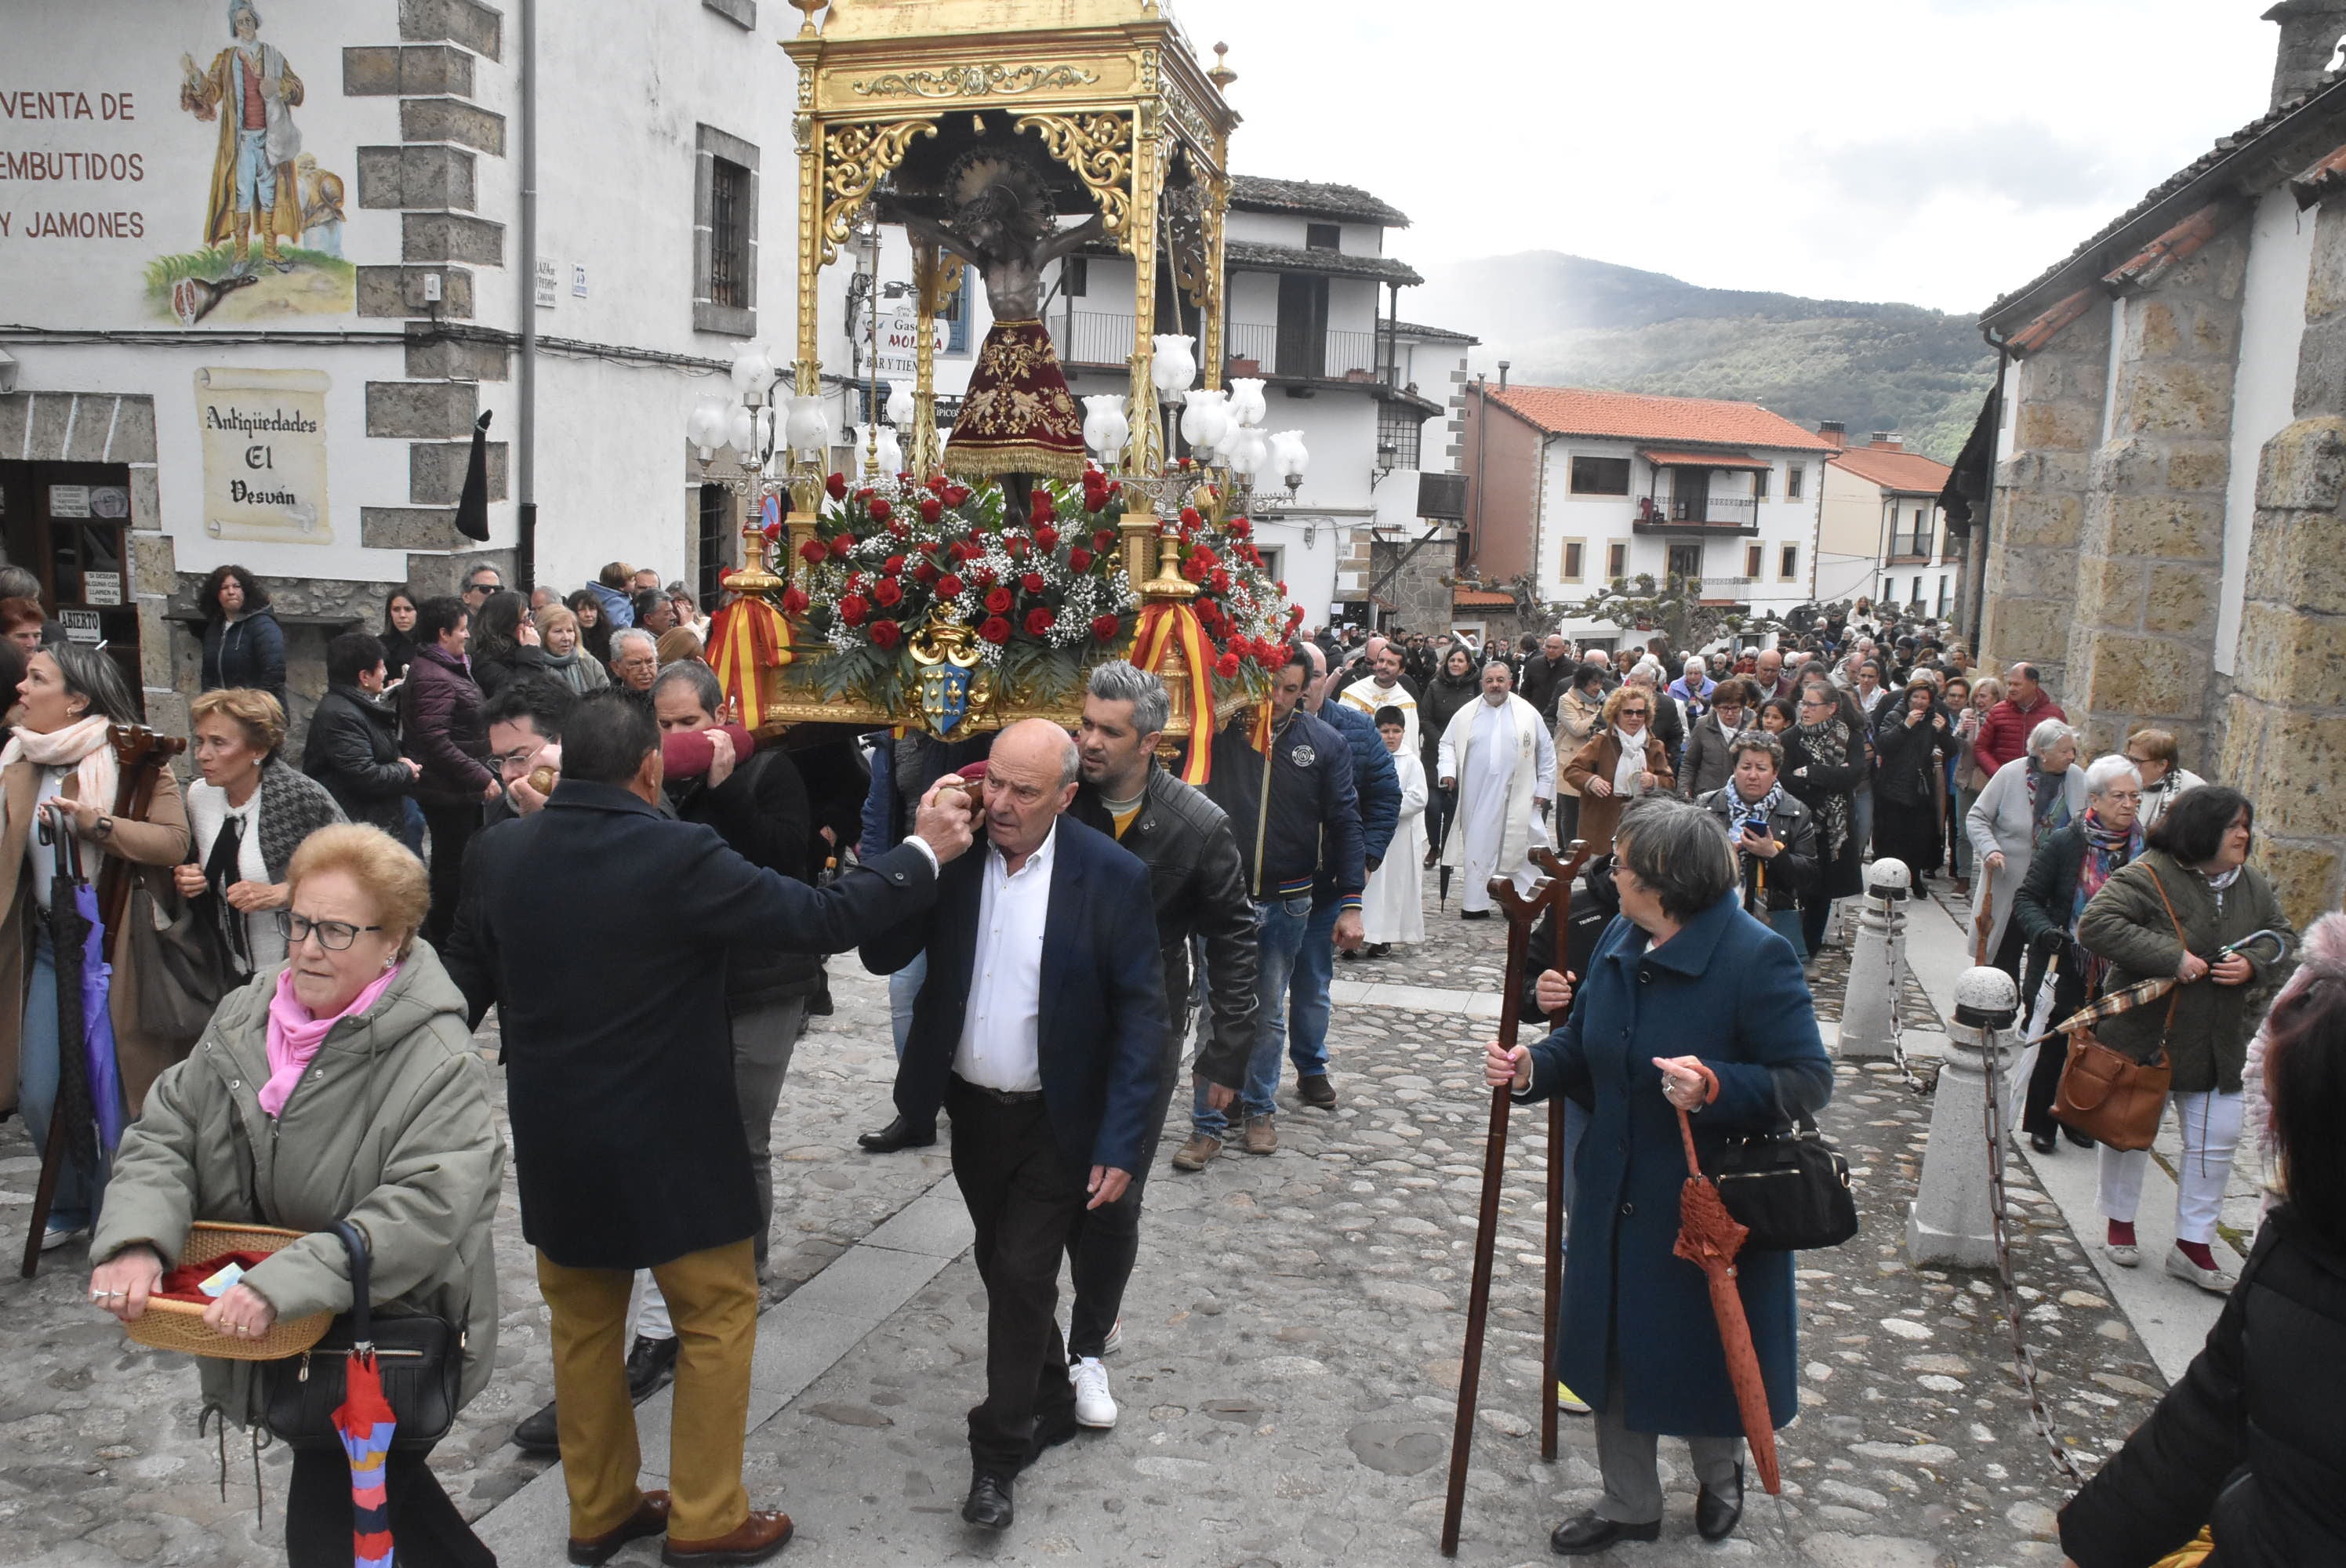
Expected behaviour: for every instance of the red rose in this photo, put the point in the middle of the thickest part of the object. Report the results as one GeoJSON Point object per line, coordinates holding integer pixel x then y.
{"type": "Point", "coordinates": [1115, 487]}
{"type": "Point", "coordinates": [1294, 612]}
{"type": "Point", "coordinates": [1039, 621]}
{"type": "Point", "coordinates": [840, 544]}
{"type": "Point", "coordinates": [1282, 594]}
{"type": "Point", "coordinates": [1041, 508]}
{"type": "Point", "coordinates": [925, 572]}
{"type": "Point", "coordinates": [936, 486]}
{"type": "Point", "coordinates": [998, 601]}
{"type": "Point", "coordinates": [1079, 559]}
{"type": "Point", "coordinates": [1220, 579]}
{"type": "Point", "coordinates": [888, 592]}
{"type": "Point", "coordinates": [897, 527]}
{"type": "Point", "coordinates": [894, 565]}
{"type": "Point", "coordinates": [886, 634]}
{"type": "Point", "coordinates": [956, 551]}
{"type": "Point", "coordinates": [865, 495]}
{"type": "Point", "coordinates": [1015, 546]}
{"type": "Point", "coordinates": [881, 511]}
{"type": "Point", "coordinates": [772, 531]}
{"type": "Point", "coordinates": [852, 608]}
{"type": "Point", "coordinates": [1104, 539]}
{"type": "Point", "coordinates": [794, 600]}
{"type": "Point", "coordinates": [986, 576]}
{"type": "Point", "coordinates": [855, 582]}
{"type": "Point", "coordinates": [994, 629]}
{"type": "Point", "coordinates": [837, 486]}
{"type": "Point", "coordinates": [949, 587]}
{"type": "Point", "coordinates": [1104, 627]}
{"type": "Point", "coordinates": [1189, 517]}
{"type": "Point", "coordinates": [931, 508]}
{"type": "Point", "coordinates": [955, 494]}
{"type": "Point", "coordinates": [1227, 665]}
{"type": "Point", "coordinates": [815, 551]}
{"type": "Point", "coordinates": [1047, 537]}
{"type": "Point", "coordinates": [1239, 528]}
{"type": "Point", "coordinates": [1032, 582]}
{"type": "Point", "coordinates": [1194, 569]}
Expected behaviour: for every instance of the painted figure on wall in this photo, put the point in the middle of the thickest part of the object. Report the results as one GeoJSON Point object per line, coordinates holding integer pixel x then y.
{"type": "Point", "coordinates": [253, 92]}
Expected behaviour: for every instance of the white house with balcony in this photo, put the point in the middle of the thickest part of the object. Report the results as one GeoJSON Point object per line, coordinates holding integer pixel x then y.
{"type": "Point", "coordinates": [1577, 488]}
{"type": "Point", "coordinates": [1884, 535]}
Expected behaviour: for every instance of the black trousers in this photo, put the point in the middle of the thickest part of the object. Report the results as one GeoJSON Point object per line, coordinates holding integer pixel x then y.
{"type": "Point", "coordinates": [451, 828]}
{"type": "Point", "coordinates": [1105, 1242]}
{"type": "Point", "coordinates": [1023, 1204]}
{"type": "Point", "coordinates": [427, 1531]}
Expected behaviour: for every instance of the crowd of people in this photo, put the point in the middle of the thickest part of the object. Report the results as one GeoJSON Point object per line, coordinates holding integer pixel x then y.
{"type": "Point", "coordinates": [344, 924]}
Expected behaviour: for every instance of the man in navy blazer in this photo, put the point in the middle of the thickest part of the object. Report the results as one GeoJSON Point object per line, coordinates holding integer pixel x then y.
{"type": "Point", "coordinates": [1039, 1027]}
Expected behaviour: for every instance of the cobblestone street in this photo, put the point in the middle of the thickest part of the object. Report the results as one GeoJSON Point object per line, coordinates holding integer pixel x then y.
{"type": "Point", "coordinates": [1291, 1347]}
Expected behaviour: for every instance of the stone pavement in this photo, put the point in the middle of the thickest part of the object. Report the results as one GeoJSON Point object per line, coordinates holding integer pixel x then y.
{"type": "Point", "coordinates": [1291, 1351]}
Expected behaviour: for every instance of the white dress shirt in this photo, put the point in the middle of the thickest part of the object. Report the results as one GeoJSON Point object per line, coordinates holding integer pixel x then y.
{"type": "Point", "coordinates": [1000, 1043]}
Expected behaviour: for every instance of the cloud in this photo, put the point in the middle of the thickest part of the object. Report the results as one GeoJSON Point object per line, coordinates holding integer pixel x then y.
{"type": "Point", "coordinates": [2022, 162]}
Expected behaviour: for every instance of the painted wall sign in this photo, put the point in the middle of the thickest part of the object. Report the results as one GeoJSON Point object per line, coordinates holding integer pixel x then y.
{"type": "Point", "coordinates": [264, 439]}
{"type": "Point", "coordinates": [81, 626]}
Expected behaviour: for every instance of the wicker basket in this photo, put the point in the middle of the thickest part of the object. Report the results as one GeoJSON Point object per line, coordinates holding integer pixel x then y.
{"type": "Point", "coordinates": [179, 1325]}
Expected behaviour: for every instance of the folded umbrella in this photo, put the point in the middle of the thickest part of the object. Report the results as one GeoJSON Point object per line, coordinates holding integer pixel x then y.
{"type": "Point", "coordinates": [72, 1137]}
{"type": "Point", "coordinates": [2127, 997]}
{"type": "Point", "coordinates": [363, 1420]}
{"type": "Point", "coordinates": [104, 1073]}
{"type": "Point", "coordinates": [1710, 1237]}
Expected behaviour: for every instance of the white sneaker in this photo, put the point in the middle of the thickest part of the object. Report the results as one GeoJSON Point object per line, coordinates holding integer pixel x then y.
{"type": "Point", "coordinates": [56, 1236]}
{"type": "Point", "coordinates": [1093, 1407]}
{"type": "Point", "coordinates": [1114, 1340]}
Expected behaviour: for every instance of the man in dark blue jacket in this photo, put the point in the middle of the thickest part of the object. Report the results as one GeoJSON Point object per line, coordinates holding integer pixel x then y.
{"type": "Point", "coordinates": [1040, 1026]}
{"type": "Point", "coordinates": [1378, 787]}
{"type": "Point", "coordinates": [1295, 808]}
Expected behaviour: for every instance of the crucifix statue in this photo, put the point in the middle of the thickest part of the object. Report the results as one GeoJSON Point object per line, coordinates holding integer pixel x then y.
{"type": "Point", "coordinates": [1018, 421]}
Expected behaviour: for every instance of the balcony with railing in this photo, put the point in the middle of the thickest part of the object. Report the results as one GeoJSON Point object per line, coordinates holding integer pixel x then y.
{"type": "Point", "coordinates": [1911, 547]}
{"type": "Point", "coordinates": [1105, 338]}
{"type": "Point", "coordinates": [1695, 514]}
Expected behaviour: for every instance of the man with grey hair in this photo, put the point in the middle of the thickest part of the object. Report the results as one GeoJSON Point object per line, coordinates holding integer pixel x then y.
{"type": "Point", "coordinates": [1050, 1102]}
{"type": "Point", "coordinates": [634, 662]}
{"type": "Point", "coordinates": [1499, 756]}
{"type": "Point", "coordinates": [482, 579]}
{"type": "Point", "coordinates": [1201, 892]}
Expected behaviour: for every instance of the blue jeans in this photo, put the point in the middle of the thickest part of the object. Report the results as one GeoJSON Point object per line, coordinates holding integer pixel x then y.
{"type": "Point", "coordinates": [1307, 996]}
{"type": "Point", "coordinates": [256, 177]}
{"type": "Point", "coordinates": [902, 987]}
{"type": "Point", "coordinates": [1279, 930]}
{"type": "Point", "coordinates": [36, 1088]}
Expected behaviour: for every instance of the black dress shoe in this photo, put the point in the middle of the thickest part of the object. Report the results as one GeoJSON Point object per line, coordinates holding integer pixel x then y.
{"type": "Point", "coordinates": [537, 1434]}
{"type": "Point", "coordinates": [899, 1134]}
{"type": "Point", "coordinates": [1051, 1430]}
{"type": "Point", "coordinates": [1579, 1537]}
{"type": "Point", "coordinates": [988, 1503]}
{"type": "Point", "coordinates": [650, 1363]}
{"type": "Point", "coordinates": [1716, 1514]}
{"type": "Point", "coordinates": [2044, 1142]}
{"type": "Point", "coordinates": [2083, 1140]}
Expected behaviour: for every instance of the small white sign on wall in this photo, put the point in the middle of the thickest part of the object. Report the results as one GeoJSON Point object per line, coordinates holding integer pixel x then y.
{"type": "Point", "coordinates": [548, 282]}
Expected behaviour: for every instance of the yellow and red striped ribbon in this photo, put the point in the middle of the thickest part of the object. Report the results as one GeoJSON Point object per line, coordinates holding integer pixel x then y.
{"type": "Point", "coordinates": [745, 637]}
{"type": "Point", "coordinates": [1162, 627]}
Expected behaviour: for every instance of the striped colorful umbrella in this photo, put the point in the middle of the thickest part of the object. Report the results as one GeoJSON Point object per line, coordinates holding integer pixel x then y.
{"type": "Point", "coordinates": [363, 1420]}
{"type": "Point", "coordinates": [2129, 997]}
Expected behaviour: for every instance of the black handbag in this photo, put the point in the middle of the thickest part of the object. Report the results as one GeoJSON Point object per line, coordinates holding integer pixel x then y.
{"type": "Point", "coordinates": [1791, 1189]}
{"type": "Point", "coordinates": [420, 1358]}
{"type": "Point", "coordinates": [179, 963]}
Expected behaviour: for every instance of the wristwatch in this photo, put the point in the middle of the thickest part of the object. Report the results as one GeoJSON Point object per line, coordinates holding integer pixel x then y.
{"type": "Point", "coordinates": [103, 829]}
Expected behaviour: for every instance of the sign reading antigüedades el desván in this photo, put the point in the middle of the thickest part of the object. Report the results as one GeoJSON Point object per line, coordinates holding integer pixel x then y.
{"type": "Point", "coordinates": [264, 441]}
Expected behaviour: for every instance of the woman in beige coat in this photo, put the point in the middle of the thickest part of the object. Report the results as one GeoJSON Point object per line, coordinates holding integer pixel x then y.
{"type": "Point", "coordinates": [1620, 762]}
{"type": "Point", "coordinates": [59, 766]}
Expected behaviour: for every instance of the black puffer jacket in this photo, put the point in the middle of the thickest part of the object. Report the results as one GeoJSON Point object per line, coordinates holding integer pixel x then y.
{"type": "Point", "coordinates": [439, 712]}
{"type": "Point", "coordinates": [2249, 1442]}
{"type": "Point", "coordinates": [248, 652]}
{"type": "Point", "coordinates": [762, 813]}
{"type": "Point", "coordinates": [352, 749]}
{"type": "Point", "coordinates": [1199, 886]}
{"type": "Point", "coordinates": [1444, 695]}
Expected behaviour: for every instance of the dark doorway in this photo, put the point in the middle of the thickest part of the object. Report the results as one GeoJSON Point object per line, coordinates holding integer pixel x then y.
{"type": "Point", "coordinates": [1302, 325]}
{"type": "Point", "coordinates": [1693, 495]}
{"type": "Point", "coordinates": [69, 524]}
{"type": "Point", "coordinates": [716, 521]}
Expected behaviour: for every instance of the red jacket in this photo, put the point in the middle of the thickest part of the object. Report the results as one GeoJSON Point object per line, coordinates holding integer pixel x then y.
{"type": "Point", "coordinates": [2004, 733]}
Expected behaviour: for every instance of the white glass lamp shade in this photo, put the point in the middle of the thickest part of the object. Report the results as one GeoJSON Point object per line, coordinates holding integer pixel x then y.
{"type": "Point", "coordinates": [706, 426]}
{"type": "Point", "coordinates": [752, 373]}
{"type": "Point", "coordinates": [1206, 421]}
{"type": "Point", "coordinates": [1105, 428]}
{"type": "Point", "coordinates": [891, 454]}
{"type": "Point", "coordinates": [900, 405]}
{"type": "Point", "coordinates": [1248, 452]}
{"type": "Point", "coordinates": [1247, 405]}
{"type": "Point", "coordinates": [1289, 457]}
{"type": "Point", "coordinates": [1175, 363]}
{"type": "Point", "coordinates": [741, 433]}
{"type": "Point", "coordinates": [806, 429]}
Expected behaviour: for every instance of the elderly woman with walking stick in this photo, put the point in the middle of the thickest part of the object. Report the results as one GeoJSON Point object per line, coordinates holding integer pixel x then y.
{"type": "Point", "coordinates": [1683, 992]}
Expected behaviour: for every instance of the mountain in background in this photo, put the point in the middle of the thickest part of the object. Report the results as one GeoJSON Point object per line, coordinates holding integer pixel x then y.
{"type": "Point", "coordinates": [1566, 321]}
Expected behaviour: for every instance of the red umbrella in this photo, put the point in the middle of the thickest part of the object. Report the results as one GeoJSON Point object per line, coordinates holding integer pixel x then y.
{"type": "Point", "coordinates": [1710, 1237]}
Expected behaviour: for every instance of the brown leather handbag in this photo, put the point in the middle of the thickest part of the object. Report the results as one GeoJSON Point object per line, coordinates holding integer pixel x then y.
{"type": "Point", "coordinates": [2107, 1094]}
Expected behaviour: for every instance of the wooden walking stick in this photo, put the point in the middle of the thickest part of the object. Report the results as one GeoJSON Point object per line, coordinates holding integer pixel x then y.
{"type": "Point", "coordinates": [1562, 871]}
{"type": "Point", "coordinates": [1522, 908]}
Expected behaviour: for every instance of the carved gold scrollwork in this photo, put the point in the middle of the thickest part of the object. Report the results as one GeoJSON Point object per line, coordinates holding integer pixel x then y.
{"type": "Point", "coordinates": [975, 81]}
{"type": "Point", "coordinates": [1186, 241]}
{"type": "Point", "coordinates": [1099, 147]}
{"type": "Point", "coordinates": [1192, 120]}
{"type": "Point", "coordinates": [856, 158]}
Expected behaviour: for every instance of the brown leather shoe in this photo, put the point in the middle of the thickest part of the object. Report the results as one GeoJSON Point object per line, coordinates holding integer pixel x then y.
{"type": "Point", "coordinates": [1194, 1154]}
{"type": "Point", "coordinates": [1261, 1135]}
{"type": "Point", "coordinates": [650, 1518]}
{"type": "Point", "coordinates": [760, 1537]}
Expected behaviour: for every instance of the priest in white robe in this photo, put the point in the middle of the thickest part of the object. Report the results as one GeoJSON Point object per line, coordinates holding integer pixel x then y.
{"type": "Point", "coordinates": [1502, 761]}
{"type": "Point", "coordinates": [1393, 909]}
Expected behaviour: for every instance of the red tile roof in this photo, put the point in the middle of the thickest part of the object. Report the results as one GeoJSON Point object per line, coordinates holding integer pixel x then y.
{"type": "Point", "coordinates": [1907, 473]}
{"type": "Point", "coordinates": [1480, 600]}
{"type": "Point", "coordinates": [1636, 416]}
{"type": "Point", "coordinates": [1662, 457]}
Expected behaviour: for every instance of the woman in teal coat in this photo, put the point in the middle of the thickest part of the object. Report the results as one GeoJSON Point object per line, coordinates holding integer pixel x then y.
{"type": "Point", "coordinates": [1684, 977]}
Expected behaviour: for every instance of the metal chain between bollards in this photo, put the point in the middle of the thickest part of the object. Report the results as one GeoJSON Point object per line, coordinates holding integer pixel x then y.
{"type": "Point", "coordinates": [1897, 944]}
{"type": "Point", "coordinates": [2022, 1358]}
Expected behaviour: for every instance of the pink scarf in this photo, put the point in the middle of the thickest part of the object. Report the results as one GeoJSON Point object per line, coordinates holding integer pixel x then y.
{"type": "Point", "coordinates": [294, 1036]}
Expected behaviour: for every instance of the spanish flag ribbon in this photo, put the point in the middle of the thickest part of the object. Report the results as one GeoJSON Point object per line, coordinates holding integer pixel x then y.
{"type": "Point", "coordinates": [1162, 628]}
{"type": "Point", "coordinates": [745, 637]}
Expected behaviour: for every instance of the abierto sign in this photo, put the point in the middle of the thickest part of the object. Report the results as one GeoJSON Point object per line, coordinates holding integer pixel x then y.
{"type": "Point", "coordinates": [264, 441]}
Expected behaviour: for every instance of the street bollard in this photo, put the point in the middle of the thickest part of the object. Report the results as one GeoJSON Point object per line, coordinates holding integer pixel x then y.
{"type": "Point", "coordinates": [1953, 1217]}
{"type": "Point", "coordinates": [1869, 1004]}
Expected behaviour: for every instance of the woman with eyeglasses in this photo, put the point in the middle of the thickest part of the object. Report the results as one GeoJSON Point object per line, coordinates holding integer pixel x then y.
{"type": "Point", "coordinates": [59, 772]}
{"type": "Point", "coordinates": [1621, 762]}
{"type": "Point", "coordinates": [339, 1084]}
{"type": "Point", "coordinates": [1824, 760]}
{"type": "Point", "coordinates": [247, 811]}
{"type": "Point", "coordinates": [2154, 754]}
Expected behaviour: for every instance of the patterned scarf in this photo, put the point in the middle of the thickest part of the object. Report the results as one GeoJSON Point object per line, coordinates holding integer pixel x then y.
{"type": "Point", "coordinates": [1827, 745]}
{"type": "Point", "coordinates": [2048, 804]}
{"type": "Point", "coordinates": [2107, 850]}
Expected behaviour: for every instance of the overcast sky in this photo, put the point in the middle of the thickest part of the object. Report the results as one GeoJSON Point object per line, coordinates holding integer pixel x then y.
{"type": "Point", "coordinates": [1939, 152]}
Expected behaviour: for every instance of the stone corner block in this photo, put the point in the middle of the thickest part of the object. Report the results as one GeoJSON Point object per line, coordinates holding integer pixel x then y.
{"type": "Point", "coordinates": [436, 471]}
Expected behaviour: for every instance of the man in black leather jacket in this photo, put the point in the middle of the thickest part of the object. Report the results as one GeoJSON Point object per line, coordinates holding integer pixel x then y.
{"type": "Point", "coordinates": [1199, 888]}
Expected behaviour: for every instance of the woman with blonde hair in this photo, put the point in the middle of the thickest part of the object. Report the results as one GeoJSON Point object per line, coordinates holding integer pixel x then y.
{"type": "Point", "coordinates": [247, 811]}
{"type": "Point", "coordinates": [557, 632]}
{"type": "Point", "coordinates": [354, 1058]}
{"type": "Point", "coordinates": [1619, 763]}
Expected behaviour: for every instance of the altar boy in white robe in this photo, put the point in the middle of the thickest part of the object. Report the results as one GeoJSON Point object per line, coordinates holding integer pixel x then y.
{"type": "Point", "coordinates": [1393, 908]}
{"type": "Point", "coordinates": [1502, 761]}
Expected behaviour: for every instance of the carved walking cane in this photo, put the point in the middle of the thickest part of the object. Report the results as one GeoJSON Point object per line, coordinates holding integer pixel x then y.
{"type": "Point", "coordinates": [1561, 875]}
{"type": "Point", "coordinates": [1522, 908]}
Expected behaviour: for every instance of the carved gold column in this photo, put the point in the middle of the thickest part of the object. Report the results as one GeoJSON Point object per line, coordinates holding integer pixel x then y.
{"type": "Point", "coordinates": [1146, 452]}
{"type": "Point", "coordinates": [810, 134]}
{"type": "Point", "coordinates": [930, 293]}
{"type": "Point", "coordinates": [1218, 201]}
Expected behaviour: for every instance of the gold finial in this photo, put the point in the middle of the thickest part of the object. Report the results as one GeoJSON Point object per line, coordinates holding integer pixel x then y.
{"type": "Point", "coordinates": [1221, 75]}
{"type": "Point", "coordinates": [807, 9]}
